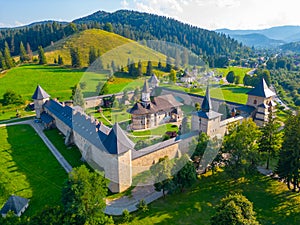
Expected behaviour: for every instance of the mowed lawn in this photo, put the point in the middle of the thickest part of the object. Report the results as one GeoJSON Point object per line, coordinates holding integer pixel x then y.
{"type": "Point", "coordinates": [28, 169]}
{"type": "Point", "coordinates": [272, 202]}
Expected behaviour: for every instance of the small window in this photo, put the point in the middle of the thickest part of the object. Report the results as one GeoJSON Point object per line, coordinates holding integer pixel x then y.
{"type": "Point", "coordinates": [255, 102]}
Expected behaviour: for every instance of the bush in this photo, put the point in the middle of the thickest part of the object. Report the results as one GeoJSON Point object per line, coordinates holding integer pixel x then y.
{"type": "Point", "coordinates": [10, 97]}
{"type": "Point", "coordinates": [126, 216]}
{"type": "Point", "coordinates": [143, 205]}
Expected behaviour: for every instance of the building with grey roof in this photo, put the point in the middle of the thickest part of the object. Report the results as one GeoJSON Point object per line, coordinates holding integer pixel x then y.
{"type": "Point", "coordinates": [16, 204]}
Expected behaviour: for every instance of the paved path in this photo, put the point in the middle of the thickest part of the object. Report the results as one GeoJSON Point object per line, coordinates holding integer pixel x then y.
{"type": "Point", "coordinates": [115, 207]}
{"type": "Point", "coordinates": [39, 130]}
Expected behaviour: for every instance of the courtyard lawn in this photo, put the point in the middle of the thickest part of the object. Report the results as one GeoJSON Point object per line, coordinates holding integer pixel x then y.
{"type": "Point", "coordinates": [272, 202]}
{"type": "Point", "coordinates": [157, 131]}
{"type": "Point", "coordinates": [28, 169]}
{"type": "Point", "coordinates": [70, 153]}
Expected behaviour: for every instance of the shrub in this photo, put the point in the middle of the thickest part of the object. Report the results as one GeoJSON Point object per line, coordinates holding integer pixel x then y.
{"type": "Point", "coordinates": [10, 97]}
{"type": "Point", "coordinates": [126, 216]}
{"type": "Point", "coordinates": [143, 205]}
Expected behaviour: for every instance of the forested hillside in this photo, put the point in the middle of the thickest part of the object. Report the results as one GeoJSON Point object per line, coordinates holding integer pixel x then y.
{"type": "Point", "coordinates": [139, 26]}
{"type": "Point", "coordinates": [134, 25]}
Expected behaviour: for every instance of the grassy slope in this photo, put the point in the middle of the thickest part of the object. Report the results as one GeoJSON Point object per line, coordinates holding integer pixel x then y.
{"type": "Point", "coordinates": [273, 203]}
{"type": "Point", "coordinates": [238, 71]}
{"type": "Point", "coordinates": [28, 168]}
{"type": "Point", "coordinates": [55, 80]}
{"type": "Point", "coordinates": [112, 47]}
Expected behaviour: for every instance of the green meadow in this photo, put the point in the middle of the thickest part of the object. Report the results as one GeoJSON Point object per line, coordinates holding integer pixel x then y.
{"type": "Point", "coordinates": [28, 169]}
{"type": "Point", "coordinates": [272, 201]}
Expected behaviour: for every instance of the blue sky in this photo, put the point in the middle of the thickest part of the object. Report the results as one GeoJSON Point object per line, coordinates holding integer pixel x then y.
{"type": "Point", "coordinates": [209, 14]}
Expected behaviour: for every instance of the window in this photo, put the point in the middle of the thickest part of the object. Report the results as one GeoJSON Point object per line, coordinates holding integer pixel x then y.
{"type": "Point", "coordinates": [255, 102]}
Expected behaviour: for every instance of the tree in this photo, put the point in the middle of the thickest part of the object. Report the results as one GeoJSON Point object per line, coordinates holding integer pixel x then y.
{"type": "Point", "coordinates": [271, 139]}
{"type": "Point", "coordinates": [78, 97]}
{"type": "Point", "coordinates": [172, 76]}
{"type": "Point", "coordinates": [224, 110]}
{"type": "Point", "coordinates": [162, 175]}
{"type": "Point", "coordinates": [140, 69]}
{"type": "Point", "coordinates": [2, 62]}
{"type": "Point", "coordinates": [99, 87]}
{"type": "Point", "coordinates": [186, 176]}
{"type": "Point", "coordinates": [23, 54]}
{"type": "Point", "coordinates": [83, 197]}
{"type": "Point", "coordinates": [113, 67]}
{"type": "Point", "coordinates": [50, 215]}
{"type": "Point", "coordinates": [168, 64]}
{"type": "Point", "coordinates": [149, 68]}
{"type": "Point", "coordinates": [92, 55]}
{"type": "Point", "coordinates": [7, 57]}
{"type": "Point", "coordinates": [60, 60]}
{"type": "Point", "coordinates": [104, 89]}
{"type": "Point", "coordinates": [288, 167]}
{"type": "Point", "coordinates": [11, 97]}
{"type": "Point", "coordinates": [108, 27]}
{"type": "Point", "coordinates": [241, 144]}
{"type": "Point", "coordinates": [230, 77]}
{"type": "Point", "coordinates": [75, 57]}
{"type": "Point", "coordinates": [234, 209]}
{"type": "Point", "coordinates": [29, 52]}
{"type": "Point", "coordinates": [41, 56]}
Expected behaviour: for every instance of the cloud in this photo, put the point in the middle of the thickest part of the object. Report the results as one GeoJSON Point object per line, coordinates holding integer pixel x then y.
{"type": "Point", "coordinates": [124, 4]}
{"type": "Point", "coordinates": [228, 3]}
{"type": "Point", "coordinates": [162, 7]}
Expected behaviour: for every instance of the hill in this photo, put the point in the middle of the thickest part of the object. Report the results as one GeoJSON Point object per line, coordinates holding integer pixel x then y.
{"type": "Point", "coordinates": [257, 40]}
{"type": "Point", "coordinates": [120, 49]}
{"type": "Point", "coordinates": [293, 46]}
{"type": "Point", "coordinates": [283, 33]}
{"type": "Point", "coordinates": [145, 26]}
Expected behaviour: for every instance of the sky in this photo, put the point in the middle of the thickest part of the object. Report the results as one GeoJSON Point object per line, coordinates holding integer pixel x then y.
{"type": "Point", "coordinates": [208, 14]}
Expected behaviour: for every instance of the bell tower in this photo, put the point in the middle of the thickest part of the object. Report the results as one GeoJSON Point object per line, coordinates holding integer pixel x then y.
{"type": "Point", "coordinates": [146, 94]}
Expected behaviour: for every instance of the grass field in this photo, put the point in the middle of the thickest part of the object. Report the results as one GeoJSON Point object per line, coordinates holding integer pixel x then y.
{"type": "Point", "coordinates": [28, 169]}
{"type": "Point", "coordinates": [71, 153]}
{"type": "Point", "coordinates": [157, 131]}
{"type": "Point", "coordinates": [272, 202]}
{"type": "Point", "coordinates": [238, 71]}
{"type": "Point", "coordinates": [56, 81]}
{"type": "Point", "coordinates": [111, 46]}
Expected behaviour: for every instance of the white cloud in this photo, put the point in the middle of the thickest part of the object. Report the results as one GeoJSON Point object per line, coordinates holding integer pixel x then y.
{"type": "Point", "coordinates": [228, 3]}
{"type": "Point", "coordinates": [124, 4]}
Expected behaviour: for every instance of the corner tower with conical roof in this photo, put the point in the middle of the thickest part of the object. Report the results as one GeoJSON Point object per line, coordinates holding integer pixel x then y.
{"type": "Point", "coordinates": [206, 120]}
{"type": "Point", "coordinates": [261, 98]}
{"type": "Point", "coordinates": [40, 97]}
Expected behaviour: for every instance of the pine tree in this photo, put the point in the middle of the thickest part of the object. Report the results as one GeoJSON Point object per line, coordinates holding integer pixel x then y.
{"type": "Point", "coordinates": [149, 68]}
{"type": "Point", "coordinates": [140, 69]}
{"type": "Point", "coordinates": [60, 60]}
{"type": "Point", "coordinates": [75, 57]}
{"type": "Point", "coordinates": [271, 139]}
{"type": "Point", "coordinates": [23, 54]}
{"type": "Point", "coordinates": [113, 66]}
{"type": "Point", "coordinates": [2, 62]}
{"type": "Point", "coordinates": [29, 52]}
{"type": "Point", "coordinates": [7, 57]}
{"type": "Point", "coordinates": [78, 97]}
{"type": "Point", "coordinates": [92, 55]}
{"type": "Point", "coordinates": [41, 56]}
{"type": "Point", "coordinates": [288, 167]}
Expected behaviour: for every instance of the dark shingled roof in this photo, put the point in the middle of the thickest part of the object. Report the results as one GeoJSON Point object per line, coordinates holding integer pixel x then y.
{"type": "Point", "coordinates": [261, 90]}
{"type": "Point", "coordinates": [15, 204]}
{"type": "Point", "coordinates": [159, 103]}
{"type": "Point", "coordinates": [117, 142]}
{"type": "Point", "coordinates": [64, 113]}
{"type": "Point", "coordinates": [40, 94]}
{"type": "Point", "coordinates": [206, 104]}
{"type": "Point", "coordinates": [46, 118]}
{"type": "Point", "coordinates": [146, 87]}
